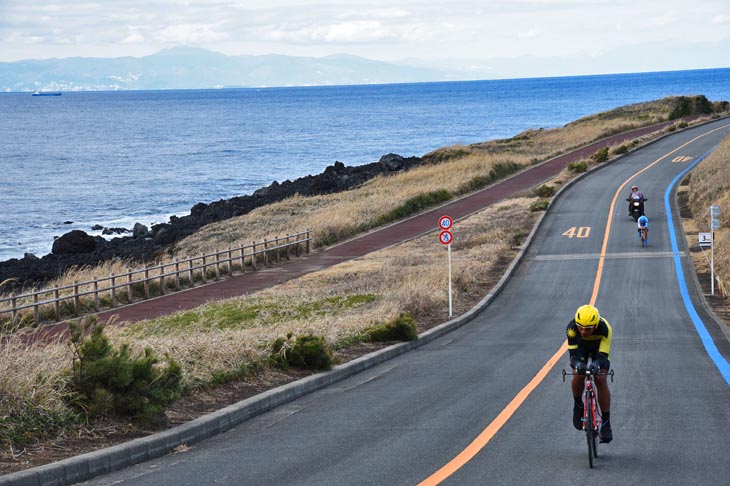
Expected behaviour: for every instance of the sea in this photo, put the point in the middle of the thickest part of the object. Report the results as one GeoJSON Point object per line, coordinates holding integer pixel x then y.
{"type": "Point", "coordinates": [117, 158]}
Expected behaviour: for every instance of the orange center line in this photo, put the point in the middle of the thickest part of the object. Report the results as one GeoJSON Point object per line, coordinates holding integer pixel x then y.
{"type": "Point", "coordinates": [495, 425]}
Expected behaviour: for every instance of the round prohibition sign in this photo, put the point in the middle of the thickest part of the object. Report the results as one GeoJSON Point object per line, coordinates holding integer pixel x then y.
{"type": "Point", "coordinates": [445, 237]}
{"type": "Point", "coordinates": [445, 223]}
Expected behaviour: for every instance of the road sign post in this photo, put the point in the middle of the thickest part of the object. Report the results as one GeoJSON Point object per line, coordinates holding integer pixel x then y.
{"type": "Point", "coordinates": [714, 225]}
{"type": "Point", "coordinates": [446, 237]}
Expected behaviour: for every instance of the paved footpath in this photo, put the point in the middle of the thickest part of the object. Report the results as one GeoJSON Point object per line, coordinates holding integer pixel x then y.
{"type": "Point", "coordinates": [242, 284]}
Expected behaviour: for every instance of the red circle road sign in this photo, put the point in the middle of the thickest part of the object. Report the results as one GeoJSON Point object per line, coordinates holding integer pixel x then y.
{"type": "Point", "coordinates": [445, 237]}
{"type": "Point", "coordinates": [445, 223]}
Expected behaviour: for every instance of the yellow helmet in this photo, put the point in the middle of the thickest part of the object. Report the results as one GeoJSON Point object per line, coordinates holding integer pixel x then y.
{"type": "Point", "coordinates": [587, 316]}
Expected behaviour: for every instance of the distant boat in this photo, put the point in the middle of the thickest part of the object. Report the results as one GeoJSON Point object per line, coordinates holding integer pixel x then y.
{"type": "Point", "coordinates": [46, 93]}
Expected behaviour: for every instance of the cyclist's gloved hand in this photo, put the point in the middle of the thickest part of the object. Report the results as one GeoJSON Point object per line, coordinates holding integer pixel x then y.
{"type": "Point", "coordinates": [594, 368]}
{"type": "Point", "coordinates": [579, 366]}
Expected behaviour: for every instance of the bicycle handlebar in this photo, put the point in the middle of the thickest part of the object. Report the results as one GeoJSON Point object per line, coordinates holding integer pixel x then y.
{"type": "Point", "coordinates": [588, 373]}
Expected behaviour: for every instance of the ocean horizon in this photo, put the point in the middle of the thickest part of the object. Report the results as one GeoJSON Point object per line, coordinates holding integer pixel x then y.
{"type": "Point", "coordinates": [117, 158]}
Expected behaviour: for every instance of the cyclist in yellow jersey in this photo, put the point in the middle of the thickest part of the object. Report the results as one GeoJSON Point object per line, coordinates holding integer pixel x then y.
{"type": "Point", "coordinates": [589, 335]}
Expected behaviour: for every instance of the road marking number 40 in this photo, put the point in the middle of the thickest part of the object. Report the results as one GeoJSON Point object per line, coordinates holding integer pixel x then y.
{"type": "Point", "coordinates": [582, 232]}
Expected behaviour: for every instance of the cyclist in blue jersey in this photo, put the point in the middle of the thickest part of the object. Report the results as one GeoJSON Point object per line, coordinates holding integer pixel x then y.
{"type": "Point", "coordinates": [589, 336]}
{"type": "Point", "coordinates": [643, 222]}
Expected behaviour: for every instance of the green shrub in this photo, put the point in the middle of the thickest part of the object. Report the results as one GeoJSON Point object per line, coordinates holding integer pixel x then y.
{"type": "Point", "coordinates": [577, 167]}
{"type": "Point", "coordinates": [621, 149]}
{"type": "Point", "coordinates": [414, 205]}
{"type": "Point", "coordinates": [517, 238]}
{"type": "Point", "coordinates": [19, 430]}
{"type": "Point", "coordinates": [540, 205]}
{"type": "Point", "coordinates": [690, 105]}
{"type": "Point", "coordinates": [307, 352]}
{"type": "Point", "coordinates": [545, 191]}
{"type": "Point", "coordinates": [446, 154]}
{"type": "Point", "coordinates": [108, 381]}
{"type": "Point", "coordinates": [403, 328]}
{"type": "Point", "coordinates": [601, 155]}
{"type": "Point", "coordinates": [474, 184]}
{"type": "Point", "coordinates": [499, 171]}
{"type": "Point", "coordinates": [671, 128]}
{"type": "Point", "coordinates": [503, 169]}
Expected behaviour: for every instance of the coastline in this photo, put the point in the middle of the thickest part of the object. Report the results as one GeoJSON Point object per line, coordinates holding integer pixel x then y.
{"type": "Point", "coordinates": [78, 247]}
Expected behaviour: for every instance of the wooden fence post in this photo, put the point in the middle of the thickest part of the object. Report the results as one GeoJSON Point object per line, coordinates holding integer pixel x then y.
{"type": "Point", "coordinates": [35, 309]}
{"type": "Point", "coordinates": [56, 303]}
{"type": "Point", "coordinates": [77, 300]}
{"type": "Point", "coordinates": [162, 279]}
{"type": "Point", "coordinates": [130, 286]}
{"type": "Point", "coordinates": [13, 305]}
{"type": "Point", "coordinates": [177, 274]}
{"type": "Point", "coordinates": [96, 295]}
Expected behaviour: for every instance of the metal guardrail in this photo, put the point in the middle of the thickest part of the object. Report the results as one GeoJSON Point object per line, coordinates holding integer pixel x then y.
{"type": "Point", "coordinates": [167, 277]}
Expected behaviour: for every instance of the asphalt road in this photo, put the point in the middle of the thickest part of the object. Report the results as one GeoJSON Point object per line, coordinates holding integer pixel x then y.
{"type": "Point", "coordinates": [486, 403]}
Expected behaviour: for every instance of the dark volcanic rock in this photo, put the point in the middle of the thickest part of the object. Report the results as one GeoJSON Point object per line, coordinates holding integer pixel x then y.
{"type": "Point", "coordinates": [75, 241]}
{"type": "Point", "coordinates": [77, 248]}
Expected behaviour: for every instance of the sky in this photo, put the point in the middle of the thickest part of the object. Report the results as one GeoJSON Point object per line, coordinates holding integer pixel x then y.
{"type": "Point", "coordinates": [582, 36]}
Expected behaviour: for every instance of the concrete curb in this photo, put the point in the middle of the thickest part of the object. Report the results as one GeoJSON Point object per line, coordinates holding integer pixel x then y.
{"type": "Point", "coordinates": [104, 461]}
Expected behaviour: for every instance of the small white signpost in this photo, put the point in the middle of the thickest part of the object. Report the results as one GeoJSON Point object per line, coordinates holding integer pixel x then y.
{"type": "Point", "coordinates": [446, 237]}
{"type": "Point", "coordinates": [714, 225]}
{"type": "Point", "coordinates": [705, 240]}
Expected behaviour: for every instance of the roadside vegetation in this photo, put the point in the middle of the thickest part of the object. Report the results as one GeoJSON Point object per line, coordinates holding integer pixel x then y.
{"type": "Point", "coordinates": [316, 321]}
{"type": "Point", "coordinates": [707, 185]}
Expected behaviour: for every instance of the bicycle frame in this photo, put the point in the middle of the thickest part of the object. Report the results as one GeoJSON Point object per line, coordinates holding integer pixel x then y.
{"type": "Point", "coordinates": [592, 419]}
{"type": "Point", "coordinates": [644, 235]}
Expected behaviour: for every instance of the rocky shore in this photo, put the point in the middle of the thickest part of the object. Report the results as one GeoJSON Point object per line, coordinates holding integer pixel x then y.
{"type": "Point", "coordinates": [78, 248]}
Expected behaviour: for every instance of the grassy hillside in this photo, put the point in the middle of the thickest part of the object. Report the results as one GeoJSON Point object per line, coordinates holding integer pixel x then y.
{"type": "Point", "coordinates": [709, 184]}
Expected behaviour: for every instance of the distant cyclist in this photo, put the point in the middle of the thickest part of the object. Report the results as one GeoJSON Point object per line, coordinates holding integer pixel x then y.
{"type": "Point", "coordinates": [589, 336]}
{"type": "Point", "coordinates": [643, 223]}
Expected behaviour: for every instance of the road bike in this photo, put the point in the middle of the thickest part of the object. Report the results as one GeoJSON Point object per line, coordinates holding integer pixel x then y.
{"type": "Point", "coordinates": [591, 420]}
{"type": "Point", "coordinates": [644, 236]}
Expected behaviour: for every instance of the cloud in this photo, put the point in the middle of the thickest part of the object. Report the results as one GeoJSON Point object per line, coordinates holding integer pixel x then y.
{"type": "Point", "coordinates": [347, 32]}
{"type": "Point", "coordinates": [721, 19]}
{"type": "Point", "coordinates": [532, 32]}
{"type": "Point", "coordinates": [190, 34]}
{"type": "Point", "coordinates": [134, 37]}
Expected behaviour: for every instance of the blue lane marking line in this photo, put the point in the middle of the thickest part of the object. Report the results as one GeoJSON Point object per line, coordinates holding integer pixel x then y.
{"type": "Point", "coordinates": [707, 341]}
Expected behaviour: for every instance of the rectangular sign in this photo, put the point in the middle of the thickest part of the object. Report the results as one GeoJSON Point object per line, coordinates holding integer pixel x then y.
{"type": "Point", "coordinates": [705, 240]}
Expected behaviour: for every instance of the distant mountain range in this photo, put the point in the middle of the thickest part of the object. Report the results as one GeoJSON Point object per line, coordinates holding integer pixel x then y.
{"type": "Point", "coordinates": [196, 68]}
{"type": "Point", "coordinates": [191, 68]}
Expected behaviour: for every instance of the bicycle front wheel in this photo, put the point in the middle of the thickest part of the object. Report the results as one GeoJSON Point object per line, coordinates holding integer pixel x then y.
{"type": "Point", "coordinates": [588, 425]}
{"type": "Point", "coordinates": [591, 444]}
{"type": "Point", "coordinates": [591, 426]}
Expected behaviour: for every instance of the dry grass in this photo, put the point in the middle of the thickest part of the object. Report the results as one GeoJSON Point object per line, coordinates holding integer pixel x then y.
{"type": "Point", "coordinates": [710, 185]}
{"type": "Point", "coordinates": [337, 303]}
